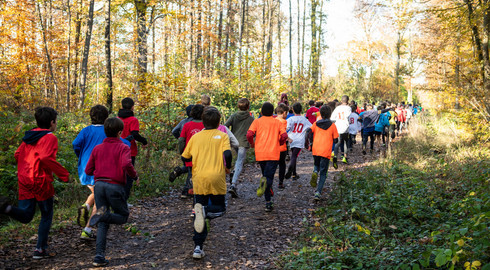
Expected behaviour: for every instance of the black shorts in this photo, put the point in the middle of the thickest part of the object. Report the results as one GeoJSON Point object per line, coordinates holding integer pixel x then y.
{"type": "Point", "coordinates": [377, 133]}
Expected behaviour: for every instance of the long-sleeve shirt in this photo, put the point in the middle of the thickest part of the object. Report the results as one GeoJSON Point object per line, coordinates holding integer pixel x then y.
{"type": "Point", "coordinates": [36, 163]}
{"type": "Point", "coordinates": [110, 162]}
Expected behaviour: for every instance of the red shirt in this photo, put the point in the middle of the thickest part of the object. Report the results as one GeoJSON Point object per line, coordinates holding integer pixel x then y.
{"type": "Point", "coordinates": [36, 164]}
{"type": "Point", "coordinates": [110, 161]}
{"type": "Point", "coordinates": [190, 129]}
{"type": "Point", "coordinates": [131, 124]}
{"type": "Point", "coordinates": [309, 114]}
{"type": "Point", "coordinates": [359, 110]}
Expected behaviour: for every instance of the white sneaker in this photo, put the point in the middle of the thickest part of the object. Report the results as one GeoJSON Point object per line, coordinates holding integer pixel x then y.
{"type": "Point", "coordinates": [199, 219]}
{"type": "Point", "coordinates": [130, 205]}
{"type": "Point", "coordinates": [198, 253]}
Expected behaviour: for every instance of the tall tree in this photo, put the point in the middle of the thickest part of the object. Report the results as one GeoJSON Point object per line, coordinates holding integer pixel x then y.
{"type": "Point", "coordinates": [86, 49]}
{"type": "Point", "coordinates": [314, 58]}
{"type": "Point", "coordinates": [108, 66]}
{"type": "Point", "coordinates": [141, 43]}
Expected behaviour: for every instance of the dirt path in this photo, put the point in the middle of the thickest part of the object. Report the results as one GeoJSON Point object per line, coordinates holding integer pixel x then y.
{"type": "Point", "coordinates": [247, 237]}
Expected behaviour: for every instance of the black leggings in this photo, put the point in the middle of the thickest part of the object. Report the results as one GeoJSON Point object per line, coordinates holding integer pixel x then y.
{"type": "Point", "coordinates": [294, 157]}
{"type": "Point", "coordinates": [282, 166]}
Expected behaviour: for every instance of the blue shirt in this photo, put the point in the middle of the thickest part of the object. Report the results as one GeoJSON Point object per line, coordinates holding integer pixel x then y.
{"type": "Point", "coordinates": [83, 145]}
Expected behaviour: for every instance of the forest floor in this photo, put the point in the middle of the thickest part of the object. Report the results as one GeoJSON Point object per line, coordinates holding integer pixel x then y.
{"type": "Point", "coordinates": [160, 229]}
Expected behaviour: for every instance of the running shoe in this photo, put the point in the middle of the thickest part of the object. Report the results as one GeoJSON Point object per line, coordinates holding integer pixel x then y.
{"type": "Point", "coordinates": [313, 180]}
{"type": "Point", "coordinates": [233, 192]}
{"type": "Point", "coordinates": [334, 163]}
{"type": "Point", "coordinates": [174, 174]}
{"type": "Point", "coordinates": [98, 215]}
{"type": "Point", "coordinates": [317, 196]}
{"type": "Point", "coordinates": [198, 253]}
{"type": "Point", "coordinates": [262, 186]}
{"type": "Point", "coordinates": [42, 254]}
{"type": "Point", "coordinates": [344, 160]}
{"type": "Point", "coordinates": [87, 235]}
{"type": "Point", "coordinates": [199, 221]}
{"type": "Point", "coordinates": [100, 261]}
{"type": "Point", "coordinates": [4, 203]}
{"type": "Point", "coordinates": [295, 177]}
{"type": "Point", "coordinates": [269, 206]}
{"type": "Point", "coordinates": [82, 217]}
{"type": "Point", "coordinates": [281, 186]}
{"type": "Point", "coordinates": [288, 174]}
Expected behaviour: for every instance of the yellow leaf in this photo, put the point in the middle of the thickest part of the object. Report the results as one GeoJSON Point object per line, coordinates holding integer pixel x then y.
{"type": "Point", "coordinates": [460, 242]}
{"type": "Point", "coordinates": [472, 193]}
{"type": "Point", "coordinates": [317, 224]}
{"type": "Point", "coordinates": [475, 264]}
{"type": "Point", "coordinates": [359, 228]}
{"type": "Point", "coordinates": [467, 265]}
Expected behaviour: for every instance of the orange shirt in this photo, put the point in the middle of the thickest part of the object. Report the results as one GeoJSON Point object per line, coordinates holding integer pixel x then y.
{"type": "Point", "coordinates": [267, 133]}
{"type": "Point", "coordinates": [323, 140]}
{"type": "Point", "coordinates": [284, 123]}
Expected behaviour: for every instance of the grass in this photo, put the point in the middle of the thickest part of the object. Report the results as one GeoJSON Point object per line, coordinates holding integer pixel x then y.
{"type": "Point", "coordinates": [428, 206]}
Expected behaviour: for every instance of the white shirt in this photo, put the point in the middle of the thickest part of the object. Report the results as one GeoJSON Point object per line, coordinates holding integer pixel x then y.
{"type": "Point", "coordinates": [297, 126]}
{"type": "Point", "coordinates": [339, 116]}
{"type": "Point", "coordinates": [354, 124]}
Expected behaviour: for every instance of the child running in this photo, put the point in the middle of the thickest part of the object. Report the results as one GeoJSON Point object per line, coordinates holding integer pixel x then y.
{"type": "Point", "coordinates": [109, 163]}
{"type": "Point", "coordinates": [297, 126]}
{"type": "Point", "coordinates": [83, 145]}
{"type": "Point", "coordinates": [354, 126]}
{"type": "Point", "coordinates": [177, 171]}
{"type": "Point", "coordinates": [206, 150]}
{"type": "Point", "coordinates": [239, 123]}
{"type": "Point", "coordinates": [282, 111]}
{"type": "Point", "coordinates": [323, 134]}
{"type": "Point", "coordinates": [36, 163]}
{"type": "Point", "coordinates": [269, 136]}
{"type": "Point", "coordinates": [189, 130]}
{"type": "Point", "coordinates": [131, 128]}
{"type": "Point", "coordinates": [340, 118]}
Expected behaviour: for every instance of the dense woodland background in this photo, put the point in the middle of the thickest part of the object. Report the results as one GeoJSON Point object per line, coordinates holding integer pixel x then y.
{"type": "Point", "coordinates": [72, 54]}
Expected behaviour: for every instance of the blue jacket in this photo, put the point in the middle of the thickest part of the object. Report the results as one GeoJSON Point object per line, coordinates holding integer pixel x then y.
{"type": "Point", "coordinates": [83, 145]}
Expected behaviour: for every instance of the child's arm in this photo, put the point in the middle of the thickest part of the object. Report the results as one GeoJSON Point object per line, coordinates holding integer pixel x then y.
{"type": "Point", "coordinates": [177, 129]}
{"type": "Point", "coordinates": [251, 133]}
{"type": "Point", "coordinates": [229, 121]}
{"type": "Point", "coordinates": [77, 143]}
{"type": "Point", "coordinates": [48, 158]}
{"type": "Point", "coordinates": [127, 164]}
{"type": "Point", "coordinates": [136, 135]}
{"type": "Point", "coordinates": [233, 141]}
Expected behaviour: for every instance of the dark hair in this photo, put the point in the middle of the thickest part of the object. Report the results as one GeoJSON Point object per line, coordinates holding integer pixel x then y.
{"type": "Point", "coordinates": [112, 126]}
{"type": "Point", "coordinates": [211, 117]}
{"type": "Point", "coordinates": [127, 103]}
{"type": "Point", "coordinates": [345, 99]}
{"type": "Point", "coordinates": [44, 116]}
{"type": "Point", "coordinates": [369, 105]}
{"type": "Point", "coordinates": [282, 108]}
{"type": "Point", "coordinates": [332, 105]}
{"type": "Point", "coordinates": [318, 104]}
{"type": "Point", "coordinates": [325, 112]}
{"type": "Point", "coordinates": [311, 102]}
{"type": "Point", "coordinates": [243, 104]}
{"type": "Point", "coordinates": [188, 110]}
{"type": "Point", "coordinates": [297, 108]}
{"type": "Point", "coordinates": [353, 107]}
{"type": "Point", "coordinates": [196, 111]}
{"type": "Point", "coordinates": [98, 114]}
{"type": "Point", "coordinates": [267, 109]}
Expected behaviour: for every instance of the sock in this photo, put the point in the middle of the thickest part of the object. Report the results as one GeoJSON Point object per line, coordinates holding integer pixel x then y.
{"type": "Point", "coordinates": [87, 230]}
{"type": "Point", "coordinates": [7, 210]}
{"type": "Point", "coordinates": [88, 206]}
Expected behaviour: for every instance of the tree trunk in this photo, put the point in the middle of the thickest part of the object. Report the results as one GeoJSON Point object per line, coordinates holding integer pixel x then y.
{"type": "Point", "coordinates": [314, 60]}
{"type": "Point", "coordinates": [78, 30]}
{"type": "Point", "coordinates": [291, 47]}
{"type": "Point", "coordinates": [228, 33]}
{"type": "Point", "coordinates": [46, 51]}
{"type": "Point", "coordinates": [269, 37]}
{"type": "Point", "coordinates": [303, 41]}
{"type": "Point", "coordinates": [141, 41]}
{"type": "Point", "coordinates": [199, 37]}
{"type": "Point", "coordinates": [68, 64]}
{"type": "Point", "coordinates": [220, 35]}
{"type": "Point", "coordinates": [191, 51]}
{"type": "Point", "coordinates": [240, 38]}
{"type": "Point", "coordinates": [86, 48]}
{"type": "Point", "coordinates": [279, 49]}
{"type": "Point", "coordinates": [107, 36]}
{"type": "Point", "coordinates": [397, 67]}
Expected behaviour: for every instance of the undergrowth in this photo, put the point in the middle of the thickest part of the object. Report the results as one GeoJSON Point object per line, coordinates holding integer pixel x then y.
{"type": "Point", "coordinates": [426, 207]}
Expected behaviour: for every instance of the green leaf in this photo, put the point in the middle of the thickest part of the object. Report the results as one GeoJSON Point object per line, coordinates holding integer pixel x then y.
{"type": "Point", "coordinates": [441, 259]}
{"type": "Point", "coordinates": [416, 267]}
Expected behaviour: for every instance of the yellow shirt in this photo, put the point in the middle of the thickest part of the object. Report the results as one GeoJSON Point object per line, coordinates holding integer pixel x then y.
{"type": "Point", "coordinates": [208, 168]}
